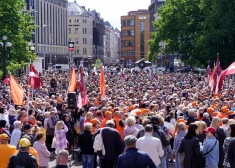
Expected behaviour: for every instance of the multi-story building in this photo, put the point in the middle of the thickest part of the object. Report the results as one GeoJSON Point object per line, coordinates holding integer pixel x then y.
{"type": "Point", "coordinates": [98, 35]}
{"type": "Point", "coordinates": [153, 8]}
{"type": "Point", "coordinates": [80, 31]}
{"type": "Point", "coordinates": [118, 44]}
{"type": "Point", "coordinates": [50, 36]}
{"type": "Point", "coordinates": [135, 32]}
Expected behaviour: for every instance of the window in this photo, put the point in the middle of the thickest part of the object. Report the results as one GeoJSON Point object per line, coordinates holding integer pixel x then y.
{"type": "Point", "coordinates": [123, 43]}
{"type": "Point", "coordinates": [31, 3]}
{"type": "Point", "coordinates": [84, 30]}
{"type": "Point", "coordinates": [84, 20]}
{"type": "Point", "coordinates": [123, 23]}
{"type": "Point", "coordinates": [77, 51]}
{"type": "Point", "coordinates": [84, 40]}
{"type": "Point", "coordinates": [131, 53]}
{"type": "Point", "coordinates": [131, 23]}
{"type": "Point", "coordinates": [141, 26]}
{"type": "Point", "coordinates": [131, 33]}
{"type": "Point", "coordinates": [69, 39]}
{"type": "Point", "coordinates": [70, 21]}
{"type": "Point", "coordinates": [123, 53]}
{"type": "Point", "coordinates": [76, 40]}
{"type": "Point", "coordinates": [69, 30]}
{"type": "Point", "coordinates": [131, 43]}
{"type": "Point", "coordinates": [123, 33]}
{"type": "Point", "coordinates": [84, 51]}
{"type": "Point", "coordinates": [76, 30]}
{"type": "Point", "coordinates": [77, 20]}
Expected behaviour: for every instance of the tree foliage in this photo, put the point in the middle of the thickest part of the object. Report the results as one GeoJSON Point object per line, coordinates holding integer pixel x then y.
{"type": "Point", "coordinates": [197, 30]}
{"type": "Point", "coordinates": [17, 26]}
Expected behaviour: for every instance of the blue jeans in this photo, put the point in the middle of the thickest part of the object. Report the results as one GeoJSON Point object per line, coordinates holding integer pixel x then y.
{"type": "Point", "coordinates": [87, 161]}
{"type": "Point", "coordinates": [177, 162]}
{"type": "Point", "coordinates": [163, 162]}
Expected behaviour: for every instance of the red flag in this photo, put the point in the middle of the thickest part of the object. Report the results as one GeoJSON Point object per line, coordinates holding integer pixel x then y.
{"type": "Point", "coordinates": [102, 82]}
{"type": "Point", "coordinates": [82, 97]}
{"type": "Point", "coordinates": [34, 79]}
{"type": "Point", "coordinates": [229, 71]}
{"type": "Point", "coordinates": [17, 93]}
{"type": "Point", "coordinates": [6, 80]}
{"type": "Point", "coordinates": [217, 72]}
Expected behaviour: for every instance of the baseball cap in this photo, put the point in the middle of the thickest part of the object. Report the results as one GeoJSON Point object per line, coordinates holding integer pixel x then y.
{"type": "Point", "coordinates": [24, 143]}
{"type": "Point", "coordinates": [210, 129]}
{"type": "Point", "coordinates": [130, 140]}
{"type": "Point", "coordinates": [4, 136]}
{"type": "Point", "coordinates": [94, 121]}
{"type": "Point", "coordinates": [107, 113]}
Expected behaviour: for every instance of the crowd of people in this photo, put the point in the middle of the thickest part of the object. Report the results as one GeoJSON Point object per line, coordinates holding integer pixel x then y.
{"type": "Point", "coordinates": [144, 120]}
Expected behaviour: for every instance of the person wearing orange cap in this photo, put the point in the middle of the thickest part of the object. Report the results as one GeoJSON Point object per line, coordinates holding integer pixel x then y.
{"type": "Point", "coordinates": [223, 114]}
{"type": "Point", "coordinates": [108, 116]}
{"type": "Point", "coordinates": [6, 150]}
{"type": "Point", "coordinates": [95, 125]}
{"type": "Point", "coordinates": [119, 125]}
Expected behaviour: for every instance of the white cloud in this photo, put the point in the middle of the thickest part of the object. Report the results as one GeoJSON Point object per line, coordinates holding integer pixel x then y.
{"type": "Point", "coordinates": [112, 10]}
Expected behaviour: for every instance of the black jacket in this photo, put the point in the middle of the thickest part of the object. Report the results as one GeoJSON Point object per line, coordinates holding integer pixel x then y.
{"type": "Point", "coordinates": [113, 143]}
{"type": "Point", "coordinates": [23, 159]}
{"type": "Point", "coordinates": [191, 149]}
{"type": "Point", "coordinates": [85, 142]}
{"type": "Point", "coordinates": [191, 119]}
{"type": "Point", "coordinates": [231, 153]}
{"type": "Point", "coordinates": [208, 123]}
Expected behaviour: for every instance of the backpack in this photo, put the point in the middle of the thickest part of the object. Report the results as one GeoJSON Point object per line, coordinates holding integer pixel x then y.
{"type": "Point", "coordinates": [98, 143]}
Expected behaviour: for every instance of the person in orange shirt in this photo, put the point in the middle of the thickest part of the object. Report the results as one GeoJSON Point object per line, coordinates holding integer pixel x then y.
{"type": "Point", "coordinates": [119, 125]}
{"type": "Point", "coordinates": [95, 125]}
{"type": "Point", "coordinates": [108, 116]}
{"type": "Point", "coordinates": [223, 114]}
{"type": "Point", "coordinates": [6, 150]}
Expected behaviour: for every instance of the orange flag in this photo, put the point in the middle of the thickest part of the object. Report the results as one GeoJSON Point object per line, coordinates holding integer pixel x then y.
{"type": "Point", "coordinates": [102, 82]}
{"type": "Point", "coordinates": [17, 93]}
{"type": "Point", "coordinates": [73, 81]}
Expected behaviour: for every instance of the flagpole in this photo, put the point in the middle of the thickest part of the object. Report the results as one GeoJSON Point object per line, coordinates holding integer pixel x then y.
{"type": "Point", "coordinates": [28, 92]}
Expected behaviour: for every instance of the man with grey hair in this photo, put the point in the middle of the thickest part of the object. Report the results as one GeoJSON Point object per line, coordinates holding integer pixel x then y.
{"type": "Point", "coordinates": [151, 145]}
{"type": "Point", "coordinates": [132, 157]}
{"type": "Point", "coordinates": [62, 159]}
{"type": "Point", "coordinates": [16, 134]}
{"type": "Point", "coordinates": [112, 143]}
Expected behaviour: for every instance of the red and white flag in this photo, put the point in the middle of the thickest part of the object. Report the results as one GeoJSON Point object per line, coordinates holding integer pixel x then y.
{"type": "Point", "coordinates": [217, 73]}
{"type": "Point", "coordinates": [229, 71]}
{"type": "Point", "coordinates": [82, 97]}
{"type": "Point", "coordinates": [34, 79]}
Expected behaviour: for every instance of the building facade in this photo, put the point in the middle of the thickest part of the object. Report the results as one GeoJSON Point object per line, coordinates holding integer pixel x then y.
{"type": "Point", "coordinates": [135, 33]}
{"type": "Point", "coordinates": [80, 31]}
{"type": "Point", "coordinates": [50, 36]}
{"type": "Point", "coordinates": [98, 35]}
{"type": "Point", "coordinates": [153, 7]}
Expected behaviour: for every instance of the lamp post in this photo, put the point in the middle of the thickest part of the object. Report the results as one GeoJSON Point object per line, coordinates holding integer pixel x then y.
{"type": "Point", "coordinates": [4, 46]}
{"type": "Point", "coordinates": [43, 40]}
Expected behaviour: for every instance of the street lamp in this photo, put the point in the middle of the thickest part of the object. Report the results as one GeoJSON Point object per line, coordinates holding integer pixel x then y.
{"type": "Point", "coordinates": [4, 46]}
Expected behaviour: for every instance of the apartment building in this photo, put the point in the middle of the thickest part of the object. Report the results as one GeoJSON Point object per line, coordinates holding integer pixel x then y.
{"type": "Point", "coordinates": [135, 33]}
{"type": "Point", "coordinates": [80, 31]}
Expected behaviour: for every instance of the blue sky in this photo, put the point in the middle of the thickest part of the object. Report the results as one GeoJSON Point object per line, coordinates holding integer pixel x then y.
{"type": "Point", "coordinates": [112, 10]}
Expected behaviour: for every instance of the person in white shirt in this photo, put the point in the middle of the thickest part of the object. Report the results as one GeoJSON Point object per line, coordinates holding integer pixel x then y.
{"type": "Point", "coordinates": [151, 145]}
{"type": "Point", "coordinates": [16, 134]}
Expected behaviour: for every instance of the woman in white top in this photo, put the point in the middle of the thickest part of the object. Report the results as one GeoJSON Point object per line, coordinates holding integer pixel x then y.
{"type": "Point", "coordinates": [16, 134]}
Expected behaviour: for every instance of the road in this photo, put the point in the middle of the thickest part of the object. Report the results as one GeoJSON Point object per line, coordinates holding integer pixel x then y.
{"type": "Point", "coordinates": [78, 165]}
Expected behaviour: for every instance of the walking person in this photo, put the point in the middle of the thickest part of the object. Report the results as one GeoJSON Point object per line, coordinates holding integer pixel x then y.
{"type": "Point", "coordinates": [60, 135]}
{"type": "Point", "coordinates": [151, 145]}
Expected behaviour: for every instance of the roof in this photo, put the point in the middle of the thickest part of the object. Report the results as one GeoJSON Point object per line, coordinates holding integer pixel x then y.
{"type": "Point", "coordinates": [75, 9]}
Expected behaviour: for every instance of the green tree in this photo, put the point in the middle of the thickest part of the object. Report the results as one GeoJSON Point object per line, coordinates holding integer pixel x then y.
{"type": "Point", "coordinates": [196, 30]}
{"type": "Point", "coordinates": [17, 26]}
